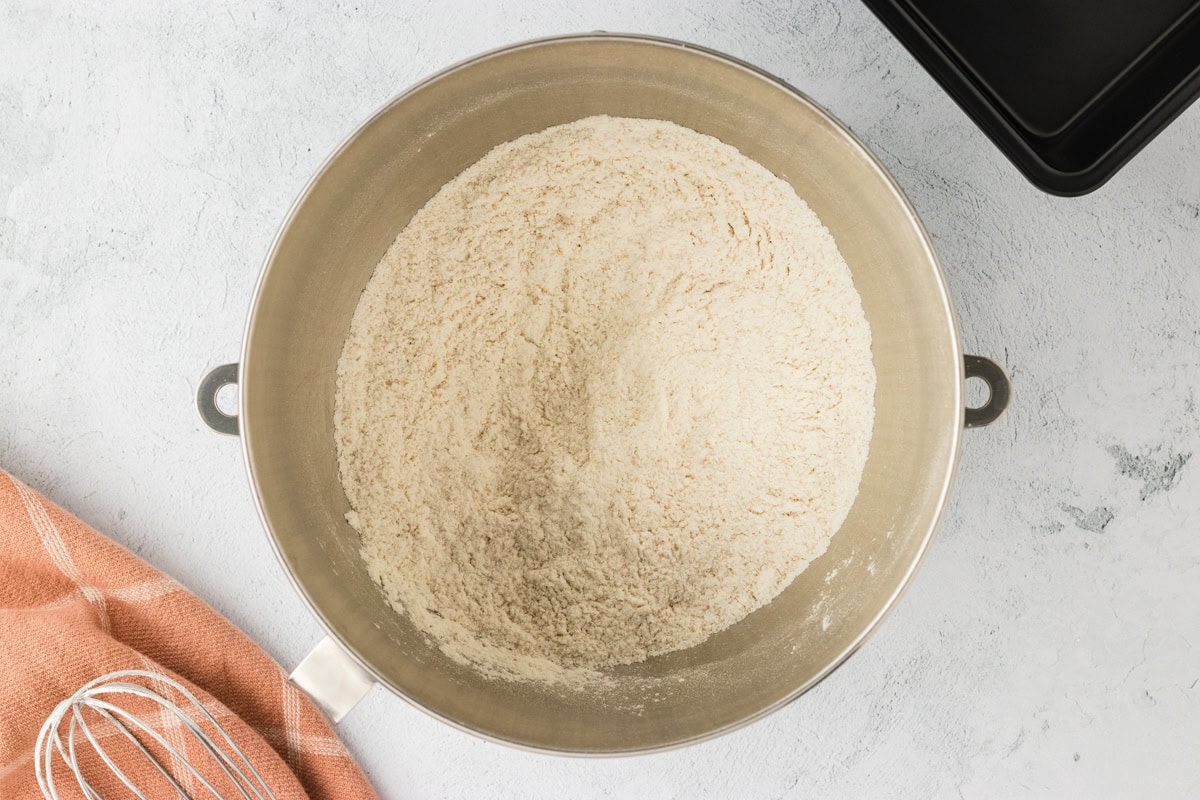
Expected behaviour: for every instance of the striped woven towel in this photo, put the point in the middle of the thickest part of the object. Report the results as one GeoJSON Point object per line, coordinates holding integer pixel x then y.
{"type": "Point", "coordinates": [75, 605]}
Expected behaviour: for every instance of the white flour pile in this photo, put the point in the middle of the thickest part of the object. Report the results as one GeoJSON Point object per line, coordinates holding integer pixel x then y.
{"type": "Point", "coordinates": [610, 391]}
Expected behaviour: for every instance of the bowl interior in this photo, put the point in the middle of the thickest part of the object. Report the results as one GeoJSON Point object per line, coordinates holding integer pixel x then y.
{"type": "Point", "coordinates": [369, 191]}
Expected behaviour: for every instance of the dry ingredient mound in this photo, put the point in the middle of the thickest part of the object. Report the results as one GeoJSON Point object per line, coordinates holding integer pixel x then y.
{"type": "Point", "coordinates": [608, 392]}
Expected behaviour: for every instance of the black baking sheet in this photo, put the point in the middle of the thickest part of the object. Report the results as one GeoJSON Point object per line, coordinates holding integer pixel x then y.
{"type": "Point", "coordinates": [1068, 89]}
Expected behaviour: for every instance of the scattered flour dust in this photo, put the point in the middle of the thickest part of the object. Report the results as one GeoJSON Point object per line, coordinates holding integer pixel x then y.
{"type": "Point", "coordinates": [608, 392]}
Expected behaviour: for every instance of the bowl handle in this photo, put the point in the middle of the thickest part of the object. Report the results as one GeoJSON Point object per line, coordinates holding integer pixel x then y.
{"type": "Point", "coordinates": [332, 678]}
{"type": "Point", "coordinates": [999, 391]}
{"type": "Point", "coordinates": [206, 399]}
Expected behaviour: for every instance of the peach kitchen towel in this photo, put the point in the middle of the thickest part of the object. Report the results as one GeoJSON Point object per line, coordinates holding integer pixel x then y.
{"type": "Point", "coordinates": [75, 605]}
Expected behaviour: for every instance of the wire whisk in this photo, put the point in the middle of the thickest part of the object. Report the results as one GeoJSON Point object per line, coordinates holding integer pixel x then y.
{"type": "Point", "coordinates": [108, 708]}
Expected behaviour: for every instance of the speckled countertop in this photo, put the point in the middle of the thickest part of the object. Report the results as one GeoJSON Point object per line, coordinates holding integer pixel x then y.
{"type": "Point", "coordinates": [1050, 646]}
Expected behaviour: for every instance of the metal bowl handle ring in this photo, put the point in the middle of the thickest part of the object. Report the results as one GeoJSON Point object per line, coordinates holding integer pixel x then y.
{"type": "Point", "coordinates": [999, 391]}
{"type": "Point", "coordinates": [206, 399]}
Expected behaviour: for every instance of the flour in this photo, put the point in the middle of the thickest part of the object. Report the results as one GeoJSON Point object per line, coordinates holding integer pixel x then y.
{"type": "Point", "coordinates": [610, 391]}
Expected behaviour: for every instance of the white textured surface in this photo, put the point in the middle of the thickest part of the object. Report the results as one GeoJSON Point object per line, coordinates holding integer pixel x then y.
{"type": "Point", "coordinates": [1048, 648]}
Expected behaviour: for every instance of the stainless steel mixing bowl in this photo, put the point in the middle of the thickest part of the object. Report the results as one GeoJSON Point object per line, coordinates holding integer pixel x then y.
{"type": "Point", "coordinates": [363, 197]}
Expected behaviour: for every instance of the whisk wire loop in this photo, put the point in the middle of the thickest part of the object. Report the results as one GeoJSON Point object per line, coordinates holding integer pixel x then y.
{"type": "Point", "coordinates": [99, 697]}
